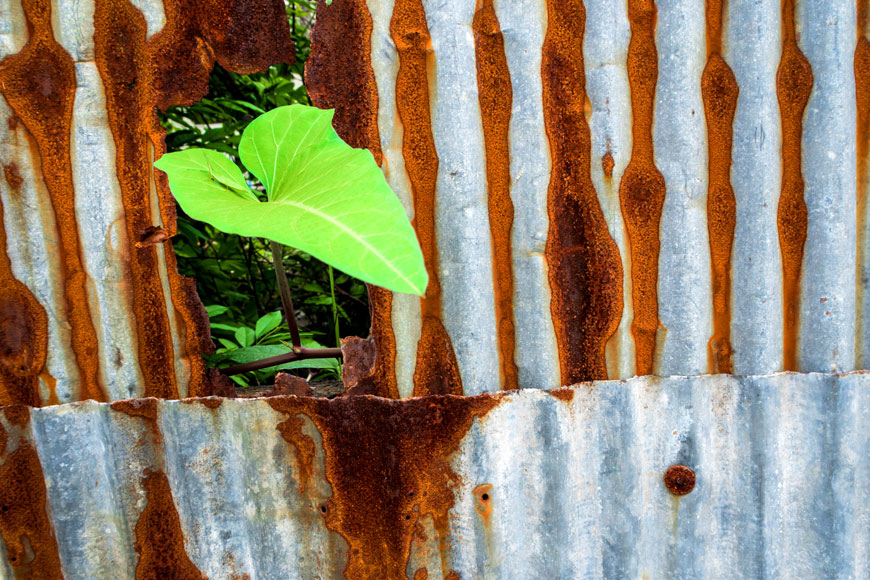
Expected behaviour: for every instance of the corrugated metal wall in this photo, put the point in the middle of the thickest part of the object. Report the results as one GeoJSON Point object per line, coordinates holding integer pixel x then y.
{"type": "Point", "coordinates": [88, 307]}
{"type": "Point", "coordinates": [608, 189]}
{"type": "Point", "coordinates": [523, 485]}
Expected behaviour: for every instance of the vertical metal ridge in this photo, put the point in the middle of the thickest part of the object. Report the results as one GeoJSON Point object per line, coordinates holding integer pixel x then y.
{"type": "Point", "coordinates": [794, 82]}
{"type": "Point", "coordinates": [642, 188]}
{"type": "Point", "coordinates": [461, 218]}
{"type": "Point", "coordinates": [720, 92]}
{"type": "Point", "coordinates": [754, 53]}
{"type": "Point", "coordinates": [436, 369]}
{"type": "Point", "coordinates": [523, 25]}
{"type": "Point", "coordinates": [684, 285]}
{"type": "Point", "coordinates": [605, 51]}
{"type": "Point", "coordinates": [496, 97]}
{"type": "Point", "coordinates": [827, 37]}
{"type": "Point", "coordinates": [862, 140]}
{"type": "Point", "coordinates": [39, 85]}
{"type": "Point", "coordinates": [585, 267]}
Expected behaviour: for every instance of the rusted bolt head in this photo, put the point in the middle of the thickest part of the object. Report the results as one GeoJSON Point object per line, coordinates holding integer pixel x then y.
{"type": "Point", "coordinates": [679, 479]}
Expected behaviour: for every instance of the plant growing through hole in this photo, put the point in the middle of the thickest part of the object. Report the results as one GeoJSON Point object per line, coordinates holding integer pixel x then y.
{"type": "Point", "coordinates": [319, 195]}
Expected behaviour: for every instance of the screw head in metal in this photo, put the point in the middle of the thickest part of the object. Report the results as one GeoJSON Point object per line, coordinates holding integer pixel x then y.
{"type": "Point", "coordinates": [679, 479]}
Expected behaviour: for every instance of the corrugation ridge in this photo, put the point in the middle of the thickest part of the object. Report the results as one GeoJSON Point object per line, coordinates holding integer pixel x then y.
{"type": "Point", "coordinates": [720, 93]}
{"type": "Point", "coordinates": [794, 81]}
{"type": "Point", "coordinates": [523, 25]}
{"type": "Point", "coordinates": [436, 369]}
{"type": "Point", "coordinates": [39, 85]}
{"type": "Point", "coordinates": [684, 285]}
{"type": "Point", "coordinates": [496, 97]}
{"type": "Point", "coordinates": [862, 261]}
{"type": "Point", "coordinates": [585, 268]}
{"type": "Point", "coordinates": [605, 48]}
{"type": "Point", "coordinates": [826, 342]}
{"type": "Point", "coordinates": [642, 188]}
{"type": "Point", "coordinates": [461, 219]}
{"type": "Point", "coordinates": [754, 54]}
{"type": "Point", "coordinates": [120, 56]}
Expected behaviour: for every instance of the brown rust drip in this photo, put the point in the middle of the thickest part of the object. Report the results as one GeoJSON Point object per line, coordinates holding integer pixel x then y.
{"type": "Point", "coordinates": [23, 328]}
{"type": "Point", "coordinates": [25, 527]}
{"type": "Point", "coordinates": [642, 188]}
{"type": "Point", "coordinates": [862, 99]}
{"type": "Point", "coordinates": [436, 371]}
{"type": "Point", "coordinates": [719, 91]}
{"type": "Point", "coordinates": [388, 464]}
{"type": "Point", "coordinates": [496, 96]}
{"type": "Point", "coordinates": [339, 76]}
{"type": "Point", "coordinates": [39, 84]}
{"type": "Point", "coordinates": [794, 83]}
{"type": "Point", "coordinates": [303, 448]}
{"type": "Point", "coordinates": [120, 54]}
{"type": "Point", "coordinates": [585, 268]}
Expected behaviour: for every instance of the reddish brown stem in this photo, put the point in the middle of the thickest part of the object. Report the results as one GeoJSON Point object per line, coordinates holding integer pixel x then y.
{"type": "Point", "coordinates": [301, 354]}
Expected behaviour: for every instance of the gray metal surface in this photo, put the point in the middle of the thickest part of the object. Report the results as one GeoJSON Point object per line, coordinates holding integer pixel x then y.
{"type": "Point", "coordinates": [782, 464]}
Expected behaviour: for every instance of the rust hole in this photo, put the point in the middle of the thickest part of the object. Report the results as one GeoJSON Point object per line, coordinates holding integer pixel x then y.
{"type": "Point", "coordinates": [484, 497]}
{"type": "Point", "coordinates": [679, 479]}
{"type": "Point", "coordinates": [323, 509]}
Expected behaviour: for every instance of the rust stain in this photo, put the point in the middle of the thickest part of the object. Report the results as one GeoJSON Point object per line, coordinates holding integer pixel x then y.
{"type": "Point", "coordinates": [339, 76]}
{"type": "Point", "coordinates": [607, 164]}
{"type": "Point", "coordinates": [565, 394]}
{"type": "Point", "coordinates": [436, 370]}
{"type": "Point", "coordinates": [25, 527]}
{"type": "Point", "coordinates": [719, 91]}
{"type": "Point", "coordinates": [585, 268]}
{"type": "Point", "coordinates": [388, 464]}
{"type": "Point", "coordinates": [211, 402]}
{"type": "Point", "coordinates": [452, 575]}
{"type": "Point", "coordinates": [679, 479]}
{"type": "Point", "coordinates": [120, 57]}
{"type": "Point", "coordinates": [421, 574]}
{"type": "Point", "coordinates": [862, 98]}
{"type": "Point", "coordinates": [483, 502]}
{"type": "Point", "coordinates": [496, 96]}
{"type": "Point", "coordinates": [39, 85]}
{"type": "Point", "coordinates": [794, 83]}
{"type": "Point", "coordinates": [642, 188]}
{"type": "Point", "coordinates": [303, 448]}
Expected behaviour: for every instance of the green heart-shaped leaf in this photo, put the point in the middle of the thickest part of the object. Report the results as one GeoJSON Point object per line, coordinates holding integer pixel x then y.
{"type": "Point", "coordinates": [324, 197]}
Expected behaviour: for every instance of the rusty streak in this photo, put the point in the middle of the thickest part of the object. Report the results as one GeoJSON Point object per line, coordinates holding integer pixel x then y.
{"type": "Point", "coordinates": [495, 96]}
{"type": "Point", "coordinates": [642, 189]}
{"type": "Point", "coordinates": [436, 370]}
{"type": "Point", "coordinates": [339, 75]}
{"type": "Point", "coordinates": [862, 98]}
{"type": "Point", "coordinates": [794, 83]}
{"type": "Point", "coordinates": [39, 84]}
{"type": "Point", "coordinates": [720, 91]}
{"type": "Point", "coordinates": [388, 465]}
{"type": "Point", "coordinates": [585, 268]}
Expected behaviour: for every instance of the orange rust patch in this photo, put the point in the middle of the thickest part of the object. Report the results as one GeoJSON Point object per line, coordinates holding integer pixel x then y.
{"type": "Point", "coordinates": [303, 448]}
{"type": "Point", "coordinates": [585, 268]}
{"type": "Point", "coordinates": [159, 539]}
{"type": "Point", "coordinates": [719, 91]}
{"type": "Point", "coordinates": [17, 415]}
{"type": "Point", "coordinates": [565, 394]}
{"type": "Point", "coordinates": [25, 527]}
{"type": "Point", "coordinates": [211, 402]}
{"type": "Point", "coordinates": [388, 464]}
{"type": "Point", "coordinates": [436, 368]}
{"type": "Point", "coordinates": [642, 189]}
{"type": "Point", "coordinates": [39, 84]}
{"type": "Point", "coordinates": [862, 98]}
{"type": "Point", "coordinates": [496, 95]}
{"type": "Point", "coordinates": [13, 178]}
{"type": "Point", "coordinates": [483, 502]}
{"type": "Point", "coordinates": [452, 575]}
{"type": "Point", "coordinates": [794, 83]}
{"type": "Point", "coordinates": [607, 164]}
{"type": "Point", "coordinates": [421, 574]}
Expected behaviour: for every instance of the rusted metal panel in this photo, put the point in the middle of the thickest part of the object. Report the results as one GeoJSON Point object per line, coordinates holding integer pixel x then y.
{"type": "Point", "coordinates": [528, 484]}
{"type": "Point", "coordinates": [683, 180]}
{"type": "Point", "coordinates": [88, 309]}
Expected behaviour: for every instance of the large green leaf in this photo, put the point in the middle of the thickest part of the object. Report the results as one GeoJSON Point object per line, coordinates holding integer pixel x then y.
{"type": "Point", "coordinates": [324, 197]}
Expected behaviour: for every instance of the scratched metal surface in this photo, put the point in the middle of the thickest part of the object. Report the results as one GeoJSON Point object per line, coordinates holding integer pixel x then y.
{"type": "Point", "coordinates": [831, 331]}
{"type": "Point", "coordinates": [576, 491]}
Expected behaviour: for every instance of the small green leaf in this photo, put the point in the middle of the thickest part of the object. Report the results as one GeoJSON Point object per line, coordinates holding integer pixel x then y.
{"type": "Point", "coordinates": [267, 323]}
{"type": "Point", "coordinates": [245, 336]}
{"type": "Point", "coordinates": [227, 327]}
{"type": "Point", "coordinates": [228, 344]}
{"type": "Point", "coordinates": [215, 310]}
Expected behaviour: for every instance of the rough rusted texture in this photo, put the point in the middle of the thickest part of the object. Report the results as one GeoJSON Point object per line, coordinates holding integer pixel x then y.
{"type": "Point", "coordinates": [794, 83]}
{"type": "Point", "coordinates": [387, 463]}
{"type": "Point", "coordinates": [359, 368]}
{"type": "Point", "coordinates": [862, 99]}
{"type": "Point", "coordinates": [287, 384]}
{"type": "Point", "coordinates": [25, 527]}
{"type": "Point", "coordinates": [380, 308]}
{"type": "Point", "coordinates": [120, 56]}
{"type": "Point", "coordinates": [483, 501]}
{"type": "Point", "coordinates": [159, 540]}
{"type": "Point", "coordinates": [585, 269]}
{"type": "Point", "coordinates": [197, 331]}
{"type": "Point", "coordinates": [436, 371]}
{"type": "Point", "coordinates": [719, 91]}
{"type": "Point", "coordinates": [565, 394]}
{"type": "Point", "coordinates": [679, 479]}
{"type": "Point", "coordinates": [39, 85]}
{"type": "Point", "coordinates": [23, 331]}
{"type": "Point", "coordinates": [303, 448]}
{"type": "Point", "coordinates": [496, 95]}
{"type": "Point", "coordinates": [642, 189]}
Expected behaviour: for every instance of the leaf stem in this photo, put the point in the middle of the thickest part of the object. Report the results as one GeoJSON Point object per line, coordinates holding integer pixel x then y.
{"type": "Point", "coordinates": [286, 300]}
